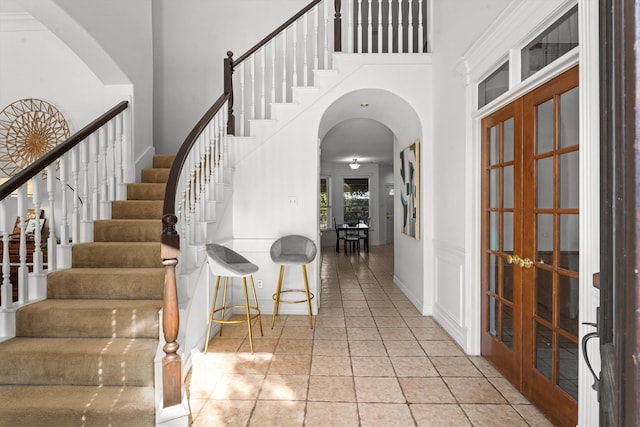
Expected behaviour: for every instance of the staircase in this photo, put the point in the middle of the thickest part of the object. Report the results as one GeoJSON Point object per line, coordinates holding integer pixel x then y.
{"type": "Point", "coordinates": [85, 355]}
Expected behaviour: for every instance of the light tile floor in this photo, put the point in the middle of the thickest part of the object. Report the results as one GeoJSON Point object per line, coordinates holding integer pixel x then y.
{"type": "Point", "coordinates": [371, 360]}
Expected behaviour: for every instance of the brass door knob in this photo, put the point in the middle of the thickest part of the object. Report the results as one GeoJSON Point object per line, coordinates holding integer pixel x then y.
{"type": "Point", "coordinates": [526, 263]}
{"type": "Point", "coordinates": [513, 259]}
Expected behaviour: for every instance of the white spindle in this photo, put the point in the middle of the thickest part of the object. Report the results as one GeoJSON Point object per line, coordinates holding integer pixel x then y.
{"type": "Point", "coordinates": [369, 27]}
{"type": "Point", "coordinates": [420, 28]}
{"type": "Point", "coordinates": [294, 56]}
{"type": "Point", "coordinates": [305, 67]}
{"type": "Point", "coordinates": [52, 241]}
{"type": "Point", "coordinates": [350, 31]}
{"type": "Point", "coordinates": [410, 26]}
{"type": "Point", "coordinates": [6, 291]}
{"type": "Point", "coordinates": [263, 70]}
{"type": "Point", "coordinates": [104, 179]}
{"type": "Point", "coordinates": [111, 158]}
{"type": "Point", "coordinates": [316, 18]}
{"type": "Point", "coordinates": [75, 180]}
{"type": "Point", "coordinates": [400, 28]}
{"type": "Point", "coordinates": [37, 238]}
{"type": "Point", "coordinates": [284, 66]}
{"type": "Point", "coordinates": [390, 27]}
{"type": "Point", "coordinates": [242, 99]}
{"type": "Point", "coordinates": [23, 271]}
{"type": "Point", "coordinates": [95, 193]}
{"type": "Point", "coordinates": [273, 70]}
{"type": "Point", "coordinates": [359, 47]}
{"type": "Point", "coordinates": [121, 188]}
{"type": "Point", "coordinates": [64, 223]}
{"type": "Point", "coordinates": [85, 230]}
{"type": "Point", "coordinates": [252, 114]}
{"type": "Point", "coordinates": [325, 63]}
{"type": "Point", "coordinates": [380, 26]}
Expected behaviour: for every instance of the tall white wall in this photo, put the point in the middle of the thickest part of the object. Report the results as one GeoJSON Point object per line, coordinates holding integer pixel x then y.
{"type": "Point", "coordinates": [191, 38]}
{"type": "Point", "coordinates": [450, 116]}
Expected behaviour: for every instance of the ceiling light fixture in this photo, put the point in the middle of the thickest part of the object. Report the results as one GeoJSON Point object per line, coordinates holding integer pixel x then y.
{"type": "Point", "coordinates": [364, 104]}
{"type": "Point", "coordinates": [354, 164]}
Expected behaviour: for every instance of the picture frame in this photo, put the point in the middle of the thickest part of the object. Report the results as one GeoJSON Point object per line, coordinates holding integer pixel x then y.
{"type": "Point", "coordinates": [30, 224]}
{"type": "Point", "coordinates": [410, 190]}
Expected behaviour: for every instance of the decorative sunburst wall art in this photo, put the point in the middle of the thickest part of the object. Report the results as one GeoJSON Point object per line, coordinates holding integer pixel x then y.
{"type": "Point", "coordinates": [29, 128]}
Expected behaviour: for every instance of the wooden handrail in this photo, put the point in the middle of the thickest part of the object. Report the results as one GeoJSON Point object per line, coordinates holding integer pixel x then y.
{"type": "Point", "coordinates": [41, 163]}
{"type": "Point", "coordinates": [277, 31]}
{"type": "Point", "coordinates": [170, 252]}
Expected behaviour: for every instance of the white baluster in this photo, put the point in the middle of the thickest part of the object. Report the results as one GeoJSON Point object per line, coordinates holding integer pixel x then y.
{"type": "Point", "coordinates": [52, 241]}
{"type": "Point", "coordinates": [75, 180]}
{"type": "Point", "coordinates": [410, 27]}
{"type": "Point", "coordinates": [105, 212]}
{"type": "Point", "coordinates": [23, 271]}
{"type": "Point", "coordinates": [369, 27]}
{"type": "Point", "coordinates": [305, 67]}
{"type": "Point", "coordinates": [121, 187]}
{"type": "Point", "coordinates": [263, 70]}
{"type": "Point", "coordinates": [400, 28]}
{"type": "Point", "coordinates": [420, 28]}
{"type": "Point", "coordinates": [86, 225]}
{"type": "Point", "coordinates": [284, 66]}
{"type": "Point", "coordinates": [380, 50]}
{"type": "Point", "coordinates": [6, 291]}
{"type": "Point", "coordinates": [242, 98]}
{"type": "Point", "coordinates": [95, 193]}
{"type": "Point", "coordinates": [111, 158]}
{"type": "Point", "coordinates": [214, 158]}
{"type": "Point", "coordinates": [390, 28]}
{"type": "Point", "coordinates": [359, 37]}
{"type": "Point", "coordinates": [252, 114]}
{"type": "Point", "coordinates": [294, 56]}
{"type": "Point", "coordinates": [325, 63]}
{"type": "Point", "coordinates": [37, 238]}
{"type": "Point", "coordinates": [127, 149]}
{"type": "Point", "coordinates": [316, 44]}
{"type": "Point", "coordinates": [273, 71]}
{"type": "Point", "coordinates": [64, 225]}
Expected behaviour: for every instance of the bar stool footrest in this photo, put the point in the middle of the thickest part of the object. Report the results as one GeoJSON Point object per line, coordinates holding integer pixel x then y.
{"type": "Point", "coordinates": [311, 296]}
{"type": "Point", "coordinates": [254, 315]}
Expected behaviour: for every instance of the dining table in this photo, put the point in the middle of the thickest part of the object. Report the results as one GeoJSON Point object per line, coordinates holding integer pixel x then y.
{"type": "Point", "coordinates": [361, 230]}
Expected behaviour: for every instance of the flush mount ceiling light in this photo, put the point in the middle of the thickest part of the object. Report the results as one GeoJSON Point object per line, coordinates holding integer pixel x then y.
{"type": "Point", "coordinates": [354, 164]}
{"type": "Point", "coordinates": [364, 104]}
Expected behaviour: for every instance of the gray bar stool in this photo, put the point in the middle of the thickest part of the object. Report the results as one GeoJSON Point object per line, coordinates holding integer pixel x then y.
{"type": "Point", "coordinates": [293, 250]}
{"type": "Point", "coordinates": [223, 262]}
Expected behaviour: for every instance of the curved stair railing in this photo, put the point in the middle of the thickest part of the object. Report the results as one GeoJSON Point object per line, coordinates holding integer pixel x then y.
{"type": "Point", "coordinates": [254, 84]}
{"type": "Point", "coordinates": [63, 192]}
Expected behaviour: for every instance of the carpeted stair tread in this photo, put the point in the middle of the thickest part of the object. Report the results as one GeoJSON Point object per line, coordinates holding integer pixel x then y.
{"type": "Point", "coordinates": [116, 254]}
{"type": "Point", "coordinates": [146, 191]}
{"type": "Point", "coordinates": [127, 230]}
{"type": "Point", "coordinates": [136, 209]}
{"type": "Point", "coordinates": [78, 361]}
{"type": "Point", "coordinates": [74, 406]}
{"type": "Point", "coordinates": [89, 319]}
{"type": "Point", "coordinates": [163, 160]}
{"type": "Point", "coordinates": [155, 175]}
{"type": "Point", "coordinates": [107, 283]}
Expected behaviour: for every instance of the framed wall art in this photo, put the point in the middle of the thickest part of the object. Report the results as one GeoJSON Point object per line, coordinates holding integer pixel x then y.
{"type": "Point", "coordinates": [410, 190]}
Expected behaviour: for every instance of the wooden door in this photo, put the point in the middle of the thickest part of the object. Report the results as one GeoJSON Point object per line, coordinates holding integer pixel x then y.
{"type": "Point", "coordinates": [530, 245]}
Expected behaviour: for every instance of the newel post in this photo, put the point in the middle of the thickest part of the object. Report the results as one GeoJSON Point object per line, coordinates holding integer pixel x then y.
{"type": "Point", "coordinates": [228, 88]}
{"type": "Point", "coordinates": [337, 27]}
{"type": "Point", "coordinates": [171, 363]}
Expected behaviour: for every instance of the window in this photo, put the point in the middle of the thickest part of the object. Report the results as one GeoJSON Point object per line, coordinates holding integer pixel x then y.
{"type": "Point", "coordinates": [554, 42]}
{"type": "Point", "coordinates": [493, 86]}
{"type": "Point", "coordinates": [325, 205]}
{"type": "Point", "coordinates": [356, 200]}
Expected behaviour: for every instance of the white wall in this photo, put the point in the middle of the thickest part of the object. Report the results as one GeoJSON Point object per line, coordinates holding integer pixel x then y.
{"type": "Point", "coordinates": [34, 63]}
{"type": "Point", "coordinates": [450, 134]}
{"type": "Point", "coordinates": [191, 38]}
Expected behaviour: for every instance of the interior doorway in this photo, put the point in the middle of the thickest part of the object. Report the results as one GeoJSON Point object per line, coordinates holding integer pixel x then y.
{"type": "Point", "coordinates": [530, 239]}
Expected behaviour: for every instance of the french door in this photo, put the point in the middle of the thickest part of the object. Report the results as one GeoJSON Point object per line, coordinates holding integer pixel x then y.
{"type": "Point", "coordinates": [530, 241]}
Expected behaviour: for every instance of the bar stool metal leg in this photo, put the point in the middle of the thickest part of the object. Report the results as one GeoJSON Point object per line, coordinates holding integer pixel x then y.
{"type": "Point", "coordinates": [276, 299]}
{"type": "Point", "coordinates": [212, 313]}
{"type": "Point", "coordinates": [306, 288]}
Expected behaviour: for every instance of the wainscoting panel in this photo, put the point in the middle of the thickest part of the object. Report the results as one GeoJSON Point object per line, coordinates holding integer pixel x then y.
{"type": "Point", "coordinates": [449, 298]}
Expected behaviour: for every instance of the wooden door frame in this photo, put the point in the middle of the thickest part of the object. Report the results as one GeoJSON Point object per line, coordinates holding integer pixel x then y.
{"type": "Point", "coordinates": [620, 182]}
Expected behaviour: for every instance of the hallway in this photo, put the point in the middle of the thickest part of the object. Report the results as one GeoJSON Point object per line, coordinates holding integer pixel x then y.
{"type": "Point", "coordinates": [371, 360]}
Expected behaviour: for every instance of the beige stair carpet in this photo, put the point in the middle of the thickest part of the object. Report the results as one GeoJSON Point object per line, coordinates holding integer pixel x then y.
{"type": "Point", "coordinates": [85, 356]}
